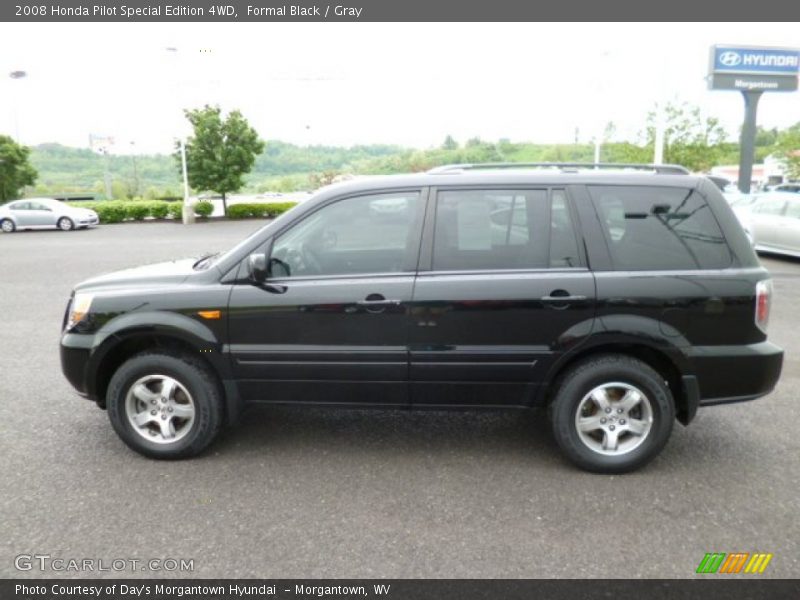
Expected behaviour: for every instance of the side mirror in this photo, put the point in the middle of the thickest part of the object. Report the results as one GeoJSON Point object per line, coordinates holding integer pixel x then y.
{"type": "Point", "coordinates": [257, 267]}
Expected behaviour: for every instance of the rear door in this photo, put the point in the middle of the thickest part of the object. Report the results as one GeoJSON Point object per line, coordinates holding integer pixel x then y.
{"type": "Point", "coordinates": [503, 289]}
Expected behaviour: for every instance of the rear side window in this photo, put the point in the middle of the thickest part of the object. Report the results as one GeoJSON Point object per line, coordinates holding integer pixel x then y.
{"type": "Point", "coordinates": [658, 228]}
{"type": "Point", "coordinates": [503, 229]}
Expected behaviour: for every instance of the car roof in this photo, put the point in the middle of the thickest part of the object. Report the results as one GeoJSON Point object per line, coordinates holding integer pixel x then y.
{"type": "Point", "coordinates": [510, 177]}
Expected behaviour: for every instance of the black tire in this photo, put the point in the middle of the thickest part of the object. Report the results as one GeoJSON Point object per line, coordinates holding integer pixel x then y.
{"type": "Point", "coordinates": [7, 226]}
{"type": "Point", "coordinates": [200, 383]}
{"type": "Point", "coordinates": [573, 394]}
{"type": "Point", "coordinates": [65, 224]}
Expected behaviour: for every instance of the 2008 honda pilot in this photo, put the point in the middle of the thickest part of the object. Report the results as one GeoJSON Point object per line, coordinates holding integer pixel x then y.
{"type": "Point", "coordinates": [619, 298]}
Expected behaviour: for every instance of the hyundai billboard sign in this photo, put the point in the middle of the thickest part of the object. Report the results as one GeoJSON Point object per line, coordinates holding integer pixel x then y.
{"type": "Point", "coordinates": [749, 68]}
{"type": "Point", "coordinates": [775, 61]}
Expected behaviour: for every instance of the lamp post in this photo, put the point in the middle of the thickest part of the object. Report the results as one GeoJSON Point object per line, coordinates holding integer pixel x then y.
{"type": "Point", "coordinates": [17, 75]}
{"type": "Point", "coordinates": [188, 211]}
{"type": "Point", "coordinates": [135, 170]}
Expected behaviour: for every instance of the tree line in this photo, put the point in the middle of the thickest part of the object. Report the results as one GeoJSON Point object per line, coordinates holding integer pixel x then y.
{"type": "Point", "coordinates": [225, 154]}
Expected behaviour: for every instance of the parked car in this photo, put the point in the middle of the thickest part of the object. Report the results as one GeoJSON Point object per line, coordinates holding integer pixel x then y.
{"type": "Point", "coordinates": [793, 187]}
{"type": "Point", "coordinates": [773, 223]}
{"type": "Point", "coordinates": [44, 213]}
{"type": "Point", "coordinates": [619, 300]}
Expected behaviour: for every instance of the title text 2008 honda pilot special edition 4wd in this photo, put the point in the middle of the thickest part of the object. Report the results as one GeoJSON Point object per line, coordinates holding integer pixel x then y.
{"type": "Point", "coordinates": [620, 299]}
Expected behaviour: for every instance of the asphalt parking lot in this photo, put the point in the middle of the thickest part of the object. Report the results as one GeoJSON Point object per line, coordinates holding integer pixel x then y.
{"type": "Point", "coordinates": [316, 493]}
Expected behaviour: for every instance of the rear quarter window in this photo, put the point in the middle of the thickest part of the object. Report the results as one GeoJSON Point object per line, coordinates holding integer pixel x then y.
{"type": "Point", "coordinates": [659, 228]}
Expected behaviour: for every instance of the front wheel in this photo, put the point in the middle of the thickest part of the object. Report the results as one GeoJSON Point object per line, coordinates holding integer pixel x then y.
{"type": "Point", "coordinates": [164, 405]}
{"type": "Point", "coordinates": [612, 414]}
{"type": "Point", "coordinates": [65, 224]}
{"type": "Point", "coordinates": [7, 225]}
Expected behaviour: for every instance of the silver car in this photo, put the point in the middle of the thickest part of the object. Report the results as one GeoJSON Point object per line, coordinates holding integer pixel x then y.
{"type": "Point", "coordinates": [773, 222]}
{"type": "Point", "coordinates": [41, 213]}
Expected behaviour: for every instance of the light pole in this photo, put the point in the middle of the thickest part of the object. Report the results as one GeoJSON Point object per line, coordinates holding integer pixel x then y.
{"type": "Point", "coordinates": [188, 211]}
{"type": "Point", "coordinates": [135, 170]}
{"type": "Point", "coordinates": [17, 75]}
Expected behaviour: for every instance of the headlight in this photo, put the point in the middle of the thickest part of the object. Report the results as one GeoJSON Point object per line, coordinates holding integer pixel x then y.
{"type": "Point", "coordinates": [79, 309]}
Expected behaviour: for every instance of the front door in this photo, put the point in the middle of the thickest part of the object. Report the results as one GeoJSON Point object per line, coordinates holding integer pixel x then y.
{"type": "Point", "coordinates": [40, 215]}
{"type": "Point", "coordinates": [331, 325]}
{"type": "Point", "coordinates": [503, 289]}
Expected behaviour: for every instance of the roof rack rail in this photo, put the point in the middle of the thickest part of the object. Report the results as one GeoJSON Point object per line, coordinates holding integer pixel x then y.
{"type": "Point", "coordinates": [564, 166]}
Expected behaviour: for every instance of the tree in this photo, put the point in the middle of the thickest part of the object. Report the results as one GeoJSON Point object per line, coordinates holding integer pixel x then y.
{"type": "Point", "coordinates": [221, 151]}
{"type": "Point", "coordinates": [690, 138]}
{"type": "Point", "coordinates": [449, 143]}
{"type": "Point", "coordinates": [787, 148]}
{"type": "Point", "coordinates": [15, 170]}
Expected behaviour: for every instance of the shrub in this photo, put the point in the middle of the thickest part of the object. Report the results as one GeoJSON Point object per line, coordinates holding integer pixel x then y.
{"type": "Point", "coordinates": [111, 211]}
{"type": "Point", "coordinates": [258, 209]}
{"type": "Point", "coordinates": [137, 210]}
{"type": "Point", "coordinates": [159, 209]}
{"type": "Point", "coordinates": [176, 210]}
{"type": "Point", "coordinates": [203, 209]}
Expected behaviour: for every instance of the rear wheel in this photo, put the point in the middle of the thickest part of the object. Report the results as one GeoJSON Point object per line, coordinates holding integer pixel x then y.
{"type": "Point", "coordinates": [7, 225]}
{"type": "Point", "coordinates": [612, 414]}
{"type": "Point", "coordinates": [164, 405]}
{"type": "Point", "coordinates": [65, 224]}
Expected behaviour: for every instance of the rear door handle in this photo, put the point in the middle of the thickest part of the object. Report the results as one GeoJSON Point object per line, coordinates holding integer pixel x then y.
{"type": "Point", "coordinates": [562, 299]}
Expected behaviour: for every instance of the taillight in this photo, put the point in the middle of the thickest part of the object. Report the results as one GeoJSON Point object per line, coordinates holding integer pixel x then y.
{"type": "Point", "coordinates": [763, 302]}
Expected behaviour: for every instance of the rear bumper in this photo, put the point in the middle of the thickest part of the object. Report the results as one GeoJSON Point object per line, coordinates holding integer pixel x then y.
{"type": "Point", "coordinates": [735, 373]}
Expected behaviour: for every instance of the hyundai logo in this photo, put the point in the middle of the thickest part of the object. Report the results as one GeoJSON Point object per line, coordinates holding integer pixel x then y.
{"type": "Point", "coordinates": [730, 59]}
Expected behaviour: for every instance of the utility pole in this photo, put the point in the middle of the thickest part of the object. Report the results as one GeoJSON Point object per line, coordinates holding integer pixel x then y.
{"type": "Point", "coordinates": [135, 171]}
{"type": "Point", "coordinates": [17, 76]}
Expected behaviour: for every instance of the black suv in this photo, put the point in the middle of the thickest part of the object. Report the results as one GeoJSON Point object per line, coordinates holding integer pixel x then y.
{"type": "Point", "coordinates": [619, 298]}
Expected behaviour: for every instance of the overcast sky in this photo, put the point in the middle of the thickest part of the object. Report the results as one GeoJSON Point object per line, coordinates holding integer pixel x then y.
{"type": "Point", "coordinates": [359, 83]}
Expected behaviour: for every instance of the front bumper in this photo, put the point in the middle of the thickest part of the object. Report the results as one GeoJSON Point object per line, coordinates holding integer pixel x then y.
{"type": "Point", "coordinates": [75, 352]}
{"type": "Point", "coordinates": [735, 373]}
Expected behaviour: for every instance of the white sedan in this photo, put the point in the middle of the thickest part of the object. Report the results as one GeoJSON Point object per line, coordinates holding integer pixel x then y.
{"type": "Point", "coordinates": [41, 213]}
{"type": "Point", "coordinates": [773, 222]}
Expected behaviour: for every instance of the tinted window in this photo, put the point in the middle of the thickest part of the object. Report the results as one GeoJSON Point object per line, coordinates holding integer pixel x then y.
{"type": "Point", "coordinates": [20, 206]}
{"type": "Point", "coordinates": [660, 228]}
{"type": "Point", "coordinates": [503, 229]}
{"type": "Point", "coordinates": [366, 234]}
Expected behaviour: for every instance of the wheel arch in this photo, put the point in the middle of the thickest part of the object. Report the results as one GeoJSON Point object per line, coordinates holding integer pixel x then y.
{"type": "Point", "coordinates": [120, 346]}
{"type": "Point", "coordinates": [668, 362]}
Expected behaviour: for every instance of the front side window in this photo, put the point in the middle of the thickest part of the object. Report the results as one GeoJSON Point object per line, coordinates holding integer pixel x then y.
{"type": "Point", "coordinates": [503, 229]}
{"type": "Point", "coordinates": [364, 234]}
{"type": "Point", "coordinates": [659, 228]}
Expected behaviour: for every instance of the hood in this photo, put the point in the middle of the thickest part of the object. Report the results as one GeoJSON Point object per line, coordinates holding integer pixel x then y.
{"type": "Point", "coordinates": [172, 272]}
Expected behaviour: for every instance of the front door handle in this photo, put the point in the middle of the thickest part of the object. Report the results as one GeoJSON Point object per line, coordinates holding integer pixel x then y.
{"type": "Point", "coordinates": [376, 303]}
